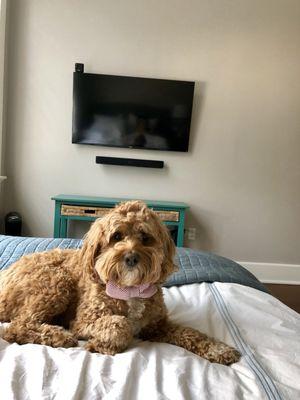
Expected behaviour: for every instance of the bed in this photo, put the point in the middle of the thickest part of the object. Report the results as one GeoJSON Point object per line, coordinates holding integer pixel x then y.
{"type": "Point", "coordinates": [210, 293]}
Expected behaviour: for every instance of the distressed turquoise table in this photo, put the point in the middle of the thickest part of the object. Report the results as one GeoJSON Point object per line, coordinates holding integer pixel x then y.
{"type": "Point", "coordinates": [86, 208]}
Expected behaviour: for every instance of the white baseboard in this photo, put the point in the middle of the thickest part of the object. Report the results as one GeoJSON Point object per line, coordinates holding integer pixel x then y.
{"type": "Point", "coordinates": [288, 274]}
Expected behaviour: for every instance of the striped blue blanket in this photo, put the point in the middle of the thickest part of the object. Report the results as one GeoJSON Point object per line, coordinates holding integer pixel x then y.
{"type": "Point", "coordinates": [194, 266]}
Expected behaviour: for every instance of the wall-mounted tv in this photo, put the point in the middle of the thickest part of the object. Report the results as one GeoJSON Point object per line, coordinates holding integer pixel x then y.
{"type": "Point", "coordinates": [122, 111]}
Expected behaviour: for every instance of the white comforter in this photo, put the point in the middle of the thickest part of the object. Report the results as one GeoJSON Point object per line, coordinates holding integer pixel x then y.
{"type": "Point", "coordinates": [262, 328]}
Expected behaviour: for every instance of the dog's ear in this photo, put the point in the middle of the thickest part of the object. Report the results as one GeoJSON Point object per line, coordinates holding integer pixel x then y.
{"type": "Point", "coordinates": [166, 241]}
{"type": "Point", "coordinates": [91, 249]}
{"type": "Point", "coordinates": [168, 266]}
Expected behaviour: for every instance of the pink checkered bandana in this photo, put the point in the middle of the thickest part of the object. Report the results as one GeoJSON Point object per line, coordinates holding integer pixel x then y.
{"type": "Point", "coordinates": [125, 293]}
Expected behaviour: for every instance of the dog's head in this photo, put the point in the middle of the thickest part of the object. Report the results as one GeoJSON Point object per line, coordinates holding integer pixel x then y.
{"type": "Point", "coordinates": [129, 246]}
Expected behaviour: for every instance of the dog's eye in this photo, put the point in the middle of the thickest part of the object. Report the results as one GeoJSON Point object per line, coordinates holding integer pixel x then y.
{"type": "Point", "coordinates": [117, 236]}
{"type": "Point", "coordinates": [145, 238]}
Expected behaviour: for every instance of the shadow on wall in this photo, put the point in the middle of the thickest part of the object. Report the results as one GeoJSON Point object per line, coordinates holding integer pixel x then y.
{"type": "Point", "coordinates": [1, 212]}
{"type": "Point", "coordinates": [78, 230]}
{"type": "Point", "coordinates": [198, 106]}
{"type": "Point", "coordinates": [205, 240]}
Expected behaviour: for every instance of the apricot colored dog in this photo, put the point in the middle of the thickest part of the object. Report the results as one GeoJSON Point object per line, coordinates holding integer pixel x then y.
{"type": "Point", "coordinates": [106, 293]}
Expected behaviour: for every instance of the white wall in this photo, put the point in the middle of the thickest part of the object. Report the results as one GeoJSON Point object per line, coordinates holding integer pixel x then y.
{"type": "Point", "coordinates": [241, 175]}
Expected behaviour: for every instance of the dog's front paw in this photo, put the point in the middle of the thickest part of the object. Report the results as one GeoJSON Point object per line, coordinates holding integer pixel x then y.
{"type": "Point", "coordinates": [49, 335]}
{"type": "Point", "coordinates": [96, 346]}
{"type": "Point", "coordinates": [221, 353]}
{"type": "Point", "coordinates": [56, 336]}
{"type": "Point", "coordinates": [114, 334]}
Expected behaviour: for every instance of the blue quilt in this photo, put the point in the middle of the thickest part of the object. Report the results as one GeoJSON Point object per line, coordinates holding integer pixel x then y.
{"type": "Point", "coordinates": [194, 266]}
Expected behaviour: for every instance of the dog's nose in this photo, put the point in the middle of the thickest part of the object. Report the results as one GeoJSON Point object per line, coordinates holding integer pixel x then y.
{"type": "Point", "coordinates": [131, 259]}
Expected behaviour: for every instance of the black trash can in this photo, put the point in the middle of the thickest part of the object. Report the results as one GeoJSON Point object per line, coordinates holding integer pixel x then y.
{"type": "Point", "coordinates": [13, 224]}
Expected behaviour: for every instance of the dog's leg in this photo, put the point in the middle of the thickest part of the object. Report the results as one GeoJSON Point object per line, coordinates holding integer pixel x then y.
{"type": "Point", "coordinates": [109, 334]}
{"type": "Point", "coordinates": [3, 313]}
{"type": "Point", "coordinates": [26, 330]}
{"type": "Point", "coordinates": [192, 340]}
{"type": "Point", "coordinates": [30, 323]}
{"type": "Point", "coordinates": [35, 290]}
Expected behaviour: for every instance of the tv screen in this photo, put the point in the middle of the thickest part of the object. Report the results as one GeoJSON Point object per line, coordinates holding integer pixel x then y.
{"type": "Point", "coordinates": [123, 111]}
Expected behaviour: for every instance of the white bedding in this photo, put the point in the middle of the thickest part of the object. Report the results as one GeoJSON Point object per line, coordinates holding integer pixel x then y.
{"type": "Point", "coordinates": [262, 328]}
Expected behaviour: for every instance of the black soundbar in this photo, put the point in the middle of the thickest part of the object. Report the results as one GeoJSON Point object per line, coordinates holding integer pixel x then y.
{"type": "Point", "coordinates": [132, 162]}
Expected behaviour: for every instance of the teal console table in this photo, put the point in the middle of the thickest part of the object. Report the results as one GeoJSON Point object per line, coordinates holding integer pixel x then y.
{"type": "Point", "coordinates": [84, 208]}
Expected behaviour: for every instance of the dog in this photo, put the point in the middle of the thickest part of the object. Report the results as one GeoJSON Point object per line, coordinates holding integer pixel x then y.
{"type": "Point", "coordinates": [105, 293]}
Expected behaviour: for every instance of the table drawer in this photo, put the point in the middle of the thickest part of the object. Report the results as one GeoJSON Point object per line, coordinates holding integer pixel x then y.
{"type": "Point", "coordinates": [98, 212]}
{"type": "Point", "coordinates": [84, 211]}
{"type": "Point", "coordinates": [172, 216]}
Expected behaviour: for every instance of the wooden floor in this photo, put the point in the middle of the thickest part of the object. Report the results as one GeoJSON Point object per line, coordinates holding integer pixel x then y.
{"type": "Point", "coordinates": [288, 294]}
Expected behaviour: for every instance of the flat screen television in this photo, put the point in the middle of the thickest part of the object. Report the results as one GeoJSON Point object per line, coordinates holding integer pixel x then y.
{"type": "Point", "coordinates": [122, 111]}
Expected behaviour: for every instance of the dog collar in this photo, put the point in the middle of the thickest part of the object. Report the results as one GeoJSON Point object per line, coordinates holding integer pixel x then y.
{"type": "Point", "coordinates": [125, 293]}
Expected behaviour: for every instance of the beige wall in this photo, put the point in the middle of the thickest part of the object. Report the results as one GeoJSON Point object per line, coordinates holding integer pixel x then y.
{"type": "Point", "coordinates": [2, 51]}
{"type": "Point", "coordinates": [241, 175]}
{"type": "Point", "coordinates": [3, 28]}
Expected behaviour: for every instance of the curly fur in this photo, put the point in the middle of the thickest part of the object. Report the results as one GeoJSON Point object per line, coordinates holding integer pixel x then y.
{"type": "Point", "coordinates": [57, 297]}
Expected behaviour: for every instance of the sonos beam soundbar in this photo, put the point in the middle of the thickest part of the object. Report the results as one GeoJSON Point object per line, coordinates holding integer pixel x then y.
{"type": "Point", "coordinates": [132, 162]}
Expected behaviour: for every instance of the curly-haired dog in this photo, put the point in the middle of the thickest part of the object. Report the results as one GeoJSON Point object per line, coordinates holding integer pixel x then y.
{"type": "Point", "coordinates": [107, 292]}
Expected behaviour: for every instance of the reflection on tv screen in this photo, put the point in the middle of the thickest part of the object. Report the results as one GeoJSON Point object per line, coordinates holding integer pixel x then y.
{"type": "Point", "coordinates": [131, 112]}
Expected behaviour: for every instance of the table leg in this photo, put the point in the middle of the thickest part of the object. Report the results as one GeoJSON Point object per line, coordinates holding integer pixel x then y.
{"type": "Point", "coordinates": [63, 227]}
{"type": "Point", "coordinates": [180, 233]}
{"type": "Point", "coordinates": [57, 221]}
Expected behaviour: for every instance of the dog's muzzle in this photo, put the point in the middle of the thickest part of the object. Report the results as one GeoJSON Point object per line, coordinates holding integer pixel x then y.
{"type": "Point", "coordinates": [131, 259]}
